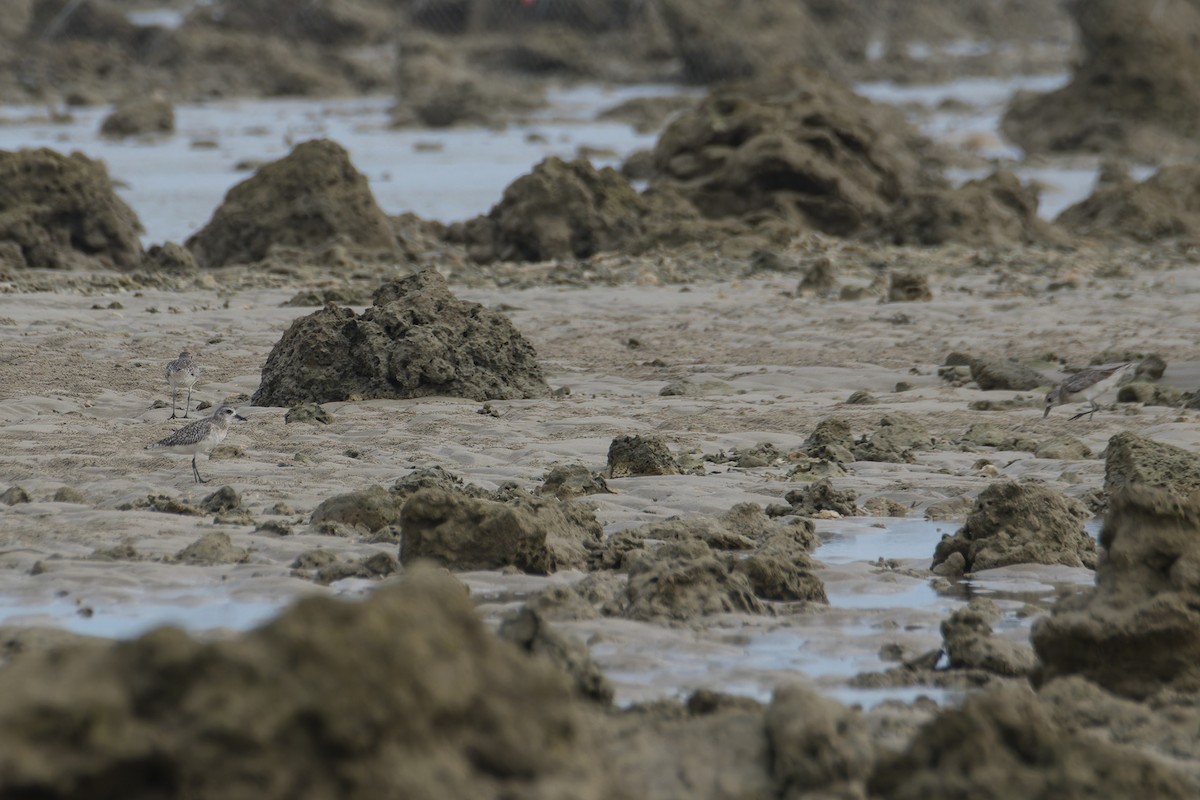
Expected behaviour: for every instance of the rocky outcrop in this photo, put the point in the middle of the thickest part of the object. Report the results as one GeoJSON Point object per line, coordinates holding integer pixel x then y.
{"type": "Point", "coordinates": [61, 212]}
{"type": "Point", "coordinates": [1136, 91]}
{"type": "Point", "coordinates": [311, 198]}
{"type": "Point", "coordinates": [416, 340]}
{"type": "Point", "coordinates": [1021, 523]}
{"type": "Point", "coordinates": [1138, 632]}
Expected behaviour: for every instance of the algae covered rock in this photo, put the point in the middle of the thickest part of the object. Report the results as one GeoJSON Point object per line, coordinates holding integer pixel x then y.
{"type": "Point", "coordinates": [1021, 523]}
{"type": "Point", "coordinates": [681, 581]}
{"type": "Point", "coordinates": [307, 200]}
{"type": "Point", "coordinates": [62, 212]}
{"type": "Point", "coordinates": [142, 115]}
{"type": "Point", "coordinates": [416, 340]}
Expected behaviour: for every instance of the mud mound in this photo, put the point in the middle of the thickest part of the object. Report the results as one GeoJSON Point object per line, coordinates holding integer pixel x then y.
{"type": "Point", "coordinates": [315, 704]}
{"type": "Point", "coordinates": [417, 340]}
{"type": "Point", "coordinates": [529, 630]}
{"type": "Point", "coordinates": [993, 211]}
{"type": "Point", "coordinates": [1015, 523]}
{"type": "Point", "coordinates": [436, 87]}
{"type": "Point", "coordinates": [1164, 206]}
{"type": "Point", "coordinates": [62, 213]}
{"type": "Point", "coordinates": [720, 40]}
{"type": "Point", "coordinates": [465, 533]}
{"type": "Point", "coordinates": [639, 455]}
{"type": "Point", "coordinates": [1131, 459]}
{"type": "Point", "coordinates": [809, 151]}
{"type": "Point", "coordinates": [330, 22]}
{"type": "Point", "coordinates": [1138, 631]}
{"type": "Point", "coordinates": [369, 509]}
{"type": "Point", "coordinates": [969, 644]}
{"type": "Point", "coordinates": [821, 496]}
{"type": "Point", "coordinates": [306, 200]}
{"type": "Point", "coordinates": [681, 581]}
{"type": "Point", "coordinates": [894, 441]}
{"type": "Point", "coordinates": [139, 116]}
{"type": "Point", "coordinates": [819, 747]}
{"type": "Point", "coordinates": [1002, 373]}
{"type": "Point", "coordinates": [1136, 91]}
{"type": "Point", "coordinates": [1002, 743]}
{"type": "Point", "coordinates": [782, 569]}
{"type": "Point", "coordinates": [560, 210]}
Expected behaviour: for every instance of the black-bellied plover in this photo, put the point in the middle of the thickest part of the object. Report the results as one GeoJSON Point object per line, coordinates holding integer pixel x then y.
{"type": "Point", "coordinates": [198, 437]}
{"type": "Point", "coordinates": [182, 371]}
{"type": "Point", "coordinates": [1088, 384]}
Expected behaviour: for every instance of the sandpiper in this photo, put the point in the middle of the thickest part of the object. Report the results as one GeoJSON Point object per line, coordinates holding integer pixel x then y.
{"type": "Point", "coordinates": [198, 437]}
{"type": "Point", "coordinates": [1088, 384]}
{"type": "Point", "coordinates": [182, 371]}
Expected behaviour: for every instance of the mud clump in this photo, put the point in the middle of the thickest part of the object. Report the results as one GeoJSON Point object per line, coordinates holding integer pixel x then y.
{"type": "Point", "coordinates": [630, 456]}
{"type": "Point", "coordinates": [61, 212]}
{"type": "Point", "coordinates": [821, 496]}
{"type": "Point", "coordinates": [969, 644]}
{"type": "Point", "coordinates": [212, 549]}
{"type": "Point", "coordinates": [1014, 523]}
{"type": "Point", "coordinates": [895, 440]}
{"type": "Point", "coordinates": [1132, 459]}
{"type": "Point", "coordinates": [781, 569]}
{"type": "Point", "coordinates": [994, 211]}
{"type": "Point", "coordinates": [819, 747]}
{"type": "Point", "coordinates": [416, 340]}
{"type": "Point", "coordinates": [572, 480]}
{"type": "Point", "coordinates": [560, 210]}
{"type": "Point", "coordinates": [1138, 632]}
{"type": "Point", "coordinates": [1136, 91]}
{"type": "Point", "coordinates": [314, 704]}
{"type": "Point", "coordinates": [1004, 374]}
{"type": "Point", "coordinates": [908, 287]}
{"type": "Point", "coordinates": [139, 116]}
{"type": "Point", "coordinates": [681, 581]}
{"type": "Point", "coordinates": [340, 22]}
{"type": "Point", "coordinates": [465, 533]}
{"type": "Point", "coordinates": [809, 151]}
{"type": "Point", "coordinates": [437, 87]}
{"type": "Point", "coordinates": [368, 510]}
{"type": "Point", "coordinates": [1164, 206]}
{"type": "Point", "coordinates": [1004, 743]}
{"type": "Point", "coordinates": [527, 629]}
{"type": "Point", "coordinates": [307, 200]}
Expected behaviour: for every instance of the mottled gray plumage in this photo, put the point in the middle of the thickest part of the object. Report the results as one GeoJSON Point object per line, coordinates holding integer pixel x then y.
{"type": "Point", "coordinates": [182, 371]}
{"type": "Point", "coordinates": [1088, 384]}
{"type": "Point", "coordinates": [198, 437]}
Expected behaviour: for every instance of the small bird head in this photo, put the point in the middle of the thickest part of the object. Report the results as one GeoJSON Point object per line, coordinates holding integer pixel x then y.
{"type": "Point", "coordinates": [227, 413]}
{"type": "Point", "coordinates": [1053, 398]}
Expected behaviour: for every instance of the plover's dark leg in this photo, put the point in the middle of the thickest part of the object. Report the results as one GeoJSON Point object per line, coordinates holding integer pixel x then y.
{"type": "Point", "coordinates": [196, 472]}
{"type": "Point", "coordinates": [173, 403]}
{"type": "Point", "coordinates": [188, 404]}
{"type": "Point", "coordinates": [1081, 414]}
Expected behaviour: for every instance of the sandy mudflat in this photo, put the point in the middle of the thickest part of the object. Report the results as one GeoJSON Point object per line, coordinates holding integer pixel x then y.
{"type": "Point", "coordinates": [78, 385]}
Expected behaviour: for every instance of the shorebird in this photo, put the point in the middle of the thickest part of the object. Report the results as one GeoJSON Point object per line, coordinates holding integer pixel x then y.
{"type": "Point", "coordinates": [1088, 384]}
{"type": "Point", "coordinates": [182, 371]}
{"type": "Point", "coordinates": [198, 437]}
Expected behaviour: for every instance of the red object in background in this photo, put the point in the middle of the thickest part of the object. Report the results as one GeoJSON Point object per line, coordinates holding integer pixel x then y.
{"type": "Point", "coordinates": [528, 2]}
